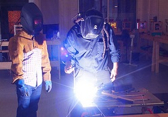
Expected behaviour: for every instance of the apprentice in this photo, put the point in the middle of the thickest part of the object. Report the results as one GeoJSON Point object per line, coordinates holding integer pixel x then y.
{"type": "Point", "coordinates": [30, 61]}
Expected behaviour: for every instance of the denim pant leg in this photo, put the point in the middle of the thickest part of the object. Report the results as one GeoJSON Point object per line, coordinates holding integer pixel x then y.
{"type": "Point", "coordinates": [34, 100]}
{"type": "Point", "coordinates": [28, 105]}
{"type": "Point", "coordinates": [103, 79]}
{"type": "Point", "coordinates": [23, 103]}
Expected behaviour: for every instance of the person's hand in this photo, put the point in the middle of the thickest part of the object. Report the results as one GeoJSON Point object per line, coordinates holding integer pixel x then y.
{"type": "Point", "coordinates": [113, 74]}
{"type": "Point", "coordinates": [68, 67]}
{"type": "Point", "coordinates": [48, 86]}
{"type": "Point", "coordinates": [22, 88]}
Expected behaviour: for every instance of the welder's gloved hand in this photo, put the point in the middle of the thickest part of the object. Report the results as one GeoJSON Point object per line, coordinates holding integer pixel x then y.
{"type": "Point", "coordinates": [113, 74]}
{"type": "Point", "coordinates": [68, 67]}
{"type": "Point", "coordinates": [22, 88]}
{"type": "Point", "coordinates": [48, 86]}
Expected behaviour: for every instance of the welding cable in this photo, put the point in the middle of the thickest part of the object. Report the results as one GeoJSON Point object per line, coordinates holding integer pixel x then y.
{"type": "Point", "coordinates": [104, 41]}
{"type": "Point", "coordinates": [149, 110]}
{"type": "Point", "coordinates": [145, 109]}
{"type": "Point", "coordinates": [107, 34]}
{"type": "Point", "coordinates": [78, 20]}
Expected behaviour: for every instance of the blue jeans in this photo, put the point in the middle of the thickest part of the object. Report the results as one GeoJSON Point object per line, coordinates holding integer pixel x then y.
{"type": "Point", "coordinates": [28, 105]}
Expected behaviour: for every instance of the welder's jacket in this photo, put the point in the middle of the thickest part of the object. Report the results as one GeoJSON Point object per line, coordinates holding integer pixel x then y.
{"type": "Point", "coordinates": [87, 53]}
{"type": "Point", "coordinates": [29, 58]}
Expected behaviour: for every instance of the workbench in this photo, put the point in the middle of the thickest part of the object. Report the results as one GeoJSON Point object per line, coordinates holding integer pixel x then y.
{"type": "Point", "coordinates": [156, 58]}
{"type": "Point", "coordinates": [134, 102]}
{"type": "Point", "coordinates": [128, 101]}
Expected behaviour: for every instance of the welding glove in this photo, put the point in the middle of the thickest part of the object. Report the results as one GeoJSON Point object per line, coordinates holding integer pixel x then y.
{"type": "Point", "coordinates": [22, 88]}
{"type": "Point", "coordinates": [48, 86]}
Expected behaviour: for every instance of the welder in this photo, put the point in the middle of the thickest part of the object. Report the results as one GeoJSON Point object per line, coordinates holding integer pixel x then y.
{"type": "Point", "coordinates": [90, 42]}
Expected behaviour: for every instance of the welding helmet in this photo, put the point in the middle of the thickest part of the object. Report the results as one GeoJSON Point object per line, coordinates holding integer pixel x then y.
{"type": "Point", "coordinates": [31, 19]}
{"type": "Point", "coordinates": [92, 24]}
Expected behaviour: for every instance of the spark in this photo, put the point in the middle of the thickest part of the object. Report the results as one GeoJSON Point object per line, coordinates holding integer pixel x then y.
{"type": "Point", "coordinates": [133, 72]}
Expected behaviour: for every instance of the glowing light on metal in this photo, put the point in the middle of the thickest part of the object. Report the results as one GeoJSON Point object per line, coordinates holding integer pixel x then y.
{"type": "Point", "coordinates": [85, 92]}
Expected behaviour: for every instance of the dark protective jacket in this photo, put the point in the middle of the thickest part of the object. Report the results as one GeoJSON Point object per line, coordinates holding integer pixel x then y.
{"type": "Point", "coordinates": [87, 54]}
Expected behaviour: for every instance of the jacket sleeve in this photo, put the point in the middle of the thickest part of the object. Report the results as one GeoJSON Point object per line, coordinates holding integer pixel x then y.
{"type": "Point", "coordinates": [46, 67]}
{"type": "Point", "coordinates": [16, 55]}
{"type": "Point", "coordinates": [69, 45]}
{"type": "Point", "coordinates": [113, 44]}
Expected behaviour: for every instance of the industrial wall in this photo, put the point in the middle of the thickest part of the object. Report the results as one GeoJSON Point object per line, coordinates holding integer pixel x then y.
{"type": "Point", "coordinates": [147, 9]}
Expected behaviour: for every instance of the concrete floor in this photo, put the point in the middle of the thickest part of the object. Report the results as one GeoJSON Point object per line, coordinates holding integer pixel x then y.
{"type": "Point", "coordinates": [57, 102]}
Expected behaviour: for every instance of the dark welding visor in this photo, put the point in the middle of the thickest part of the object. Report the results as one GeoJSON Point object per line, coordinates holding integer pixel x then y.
{"type": "Point", "coordinates": [31, 18]}
{"type": "Point", "coordinates": [92, 26]}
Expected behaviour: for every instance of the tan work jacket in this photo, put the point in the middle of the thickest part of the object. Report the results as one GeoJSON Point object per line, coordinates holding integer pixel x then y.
{"type": "Point", "coordinates": [29, 58]}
